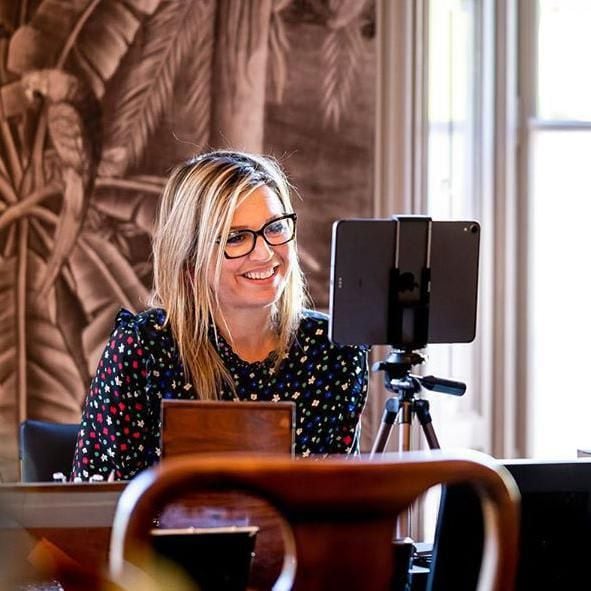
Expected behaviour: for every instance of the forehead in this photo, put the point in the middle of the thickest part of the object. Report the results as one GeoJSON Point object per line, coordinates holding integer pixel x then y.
{"type": "Point", "coordinates": [260, 206]}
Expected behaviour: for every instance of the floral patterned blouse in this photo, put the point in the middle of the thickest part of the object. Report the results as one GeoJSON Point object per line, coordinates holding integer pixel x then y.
{"type": "Point", "coordinates": [120, 427]}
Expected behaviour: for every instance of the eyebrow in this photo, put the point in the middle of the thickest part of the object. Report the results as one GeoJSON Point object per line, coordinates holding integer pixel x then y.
{"type": "Point", "coordinates": [274, 217]}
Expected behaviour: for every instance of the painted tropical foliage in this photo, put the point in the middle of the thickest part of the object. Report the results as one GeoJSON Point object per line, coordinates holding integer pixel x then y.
{"type": "Point", "coordinates": [98, 98]}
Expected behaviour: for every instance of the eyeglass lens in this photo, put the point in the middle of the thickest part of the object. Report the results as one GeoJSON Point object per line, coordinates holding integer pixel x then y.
{"type": "Point", "coordinates": [276, 232]}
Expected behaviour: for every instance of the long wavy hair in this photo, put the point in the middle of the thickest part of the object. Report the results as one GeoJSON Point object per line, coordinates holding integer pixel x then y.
{"type": "Point", "coordinates": [197, 207]}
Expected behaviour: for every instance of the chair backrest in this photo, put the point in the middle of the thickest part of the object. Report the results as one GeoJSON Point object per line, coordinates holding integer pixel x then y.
{"type": "Point", "coordinates": [340, 513]}
{"type": "Point", "coordinates": [206, 426]}
{"type": "Point", "coordinates": [46, 448]}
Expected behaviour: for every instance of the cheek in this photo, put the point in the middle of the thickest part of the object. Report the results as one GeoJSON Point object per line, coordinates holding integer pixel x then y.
{"type": "Point", "coordinates": [216, 281]}
{"type": "Point", "coordinates": [229, 272]}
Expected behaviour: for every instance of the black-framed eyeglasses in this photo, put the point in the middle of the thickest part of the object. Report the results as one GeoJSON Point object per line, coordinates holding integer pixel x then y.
{"type": "Point", "coordinates": [276, 232]}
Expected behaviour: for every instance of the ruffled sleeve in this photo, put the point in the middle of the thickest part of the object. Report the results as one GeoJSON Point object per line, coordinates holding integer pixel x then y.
{"type": "Point", "coordinates": [113, 433]}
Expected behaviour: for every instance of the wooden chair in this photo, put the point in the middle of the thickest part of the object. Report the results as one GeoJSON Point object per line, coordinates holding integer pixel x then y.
{"type": "Point", "coordinates": [340, 513]}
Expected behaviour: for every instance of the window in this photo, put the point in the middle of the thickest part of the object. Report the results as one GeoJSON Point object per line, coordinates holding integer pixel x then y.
{"type": "Point", "coordinates": [455, 148]}
{"type": "Point", "coordinates": [556, 93]}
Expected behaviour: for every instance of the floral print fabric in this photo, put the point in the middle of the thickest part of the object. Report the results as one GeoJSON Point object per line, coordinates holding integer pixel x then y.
{"type": "Point", "coordinates": [120, 427]}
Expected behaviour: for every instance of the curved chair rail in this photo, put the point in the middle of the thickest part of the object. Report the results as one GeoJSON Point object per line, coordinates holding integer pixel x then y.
{"type": "Point", "coordinates": [341, 511]}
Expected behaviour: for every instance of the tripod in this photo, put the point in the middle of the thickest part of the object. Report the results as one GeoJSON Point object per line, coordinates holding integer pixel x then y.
{"type": "Point", "coordinates": [404, 406]}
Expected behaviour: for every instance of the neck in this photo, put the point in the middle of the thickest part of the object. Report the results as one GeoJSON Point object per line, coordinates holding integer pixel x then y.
{"type": "Point", "coordinates": [251, 334]}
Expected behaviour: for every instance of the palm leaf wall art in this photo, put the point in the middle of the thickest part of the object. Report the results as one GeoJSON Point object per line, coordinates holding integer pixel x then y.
{"type": "Point", "coordinates": [341, 52]}
{"type": "Point", "coordinates": [175, 36]}
{"type": "Point", "coordinates": [278, 49]}
{"type": "Point", "coordinates": [87, 91]}
{"type": "Point", "coordinates": [57, 67]}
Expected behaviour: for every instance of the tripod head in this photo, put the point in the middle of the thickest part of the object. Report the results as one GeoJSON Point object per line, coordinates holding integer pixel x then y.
{"type": "Point", "coordinates": [399, 380]}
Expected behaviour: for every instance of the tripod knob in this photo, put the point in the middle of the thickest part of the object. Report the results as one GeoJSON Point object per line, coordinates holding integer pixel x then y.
{"type": "Point", "coordinates": [444, 386]}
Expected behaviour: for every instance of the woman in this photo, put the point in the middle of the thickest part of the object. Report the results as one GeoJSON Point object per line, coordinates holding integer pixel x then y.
{"type": "Point", "coordinates": [228, 323]}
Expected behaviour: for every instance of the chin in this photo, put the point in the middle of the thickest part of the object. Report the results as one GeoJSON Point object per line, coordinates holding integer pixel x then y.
{"type": "Point", "coordinates": [262, 301]}
{"type": "Point", "coordinates": [253, 297]}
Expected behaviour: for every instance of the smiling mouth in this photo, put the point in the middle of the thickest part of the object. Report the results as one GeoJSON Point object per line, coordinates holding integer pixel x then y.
{"type": "Point", "coordinates": [260, 275]}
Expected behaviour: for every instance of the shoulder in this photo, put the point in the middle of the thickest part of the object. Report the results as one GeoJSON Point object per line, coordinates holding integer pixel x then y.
{"type": "Point", "coordinates": [151, 317]}
{"type": "Point", "coordinates": [313, 319]}
{"type": "Point", "coordinates": [315, 325]}
{"type": "Point", "coordinates": [148, 325]}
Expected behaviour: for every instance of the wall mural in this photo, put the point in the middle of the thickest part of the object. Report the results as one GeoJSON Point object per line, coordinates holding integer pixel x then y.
{"type": "Point", "coordinates": [98, 99]}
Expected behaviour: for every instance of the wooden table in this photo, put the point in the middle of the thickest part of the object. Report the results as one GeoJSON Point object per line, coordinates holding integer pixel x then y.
{"type": "Point", "coordinates": [77, 518]}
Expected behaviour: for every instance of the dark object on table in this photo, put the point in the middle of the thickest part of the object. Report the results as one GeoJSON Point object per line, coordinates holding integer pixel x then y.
{"type": "Point", "coordinates": [217, 559]}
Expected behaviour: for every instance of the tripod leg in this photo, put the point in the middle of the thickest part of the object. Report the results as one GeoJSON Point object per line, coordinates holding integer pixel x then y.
{"type": "Point", "coordinates": [422, 411]}
{"type": "Point", "coordinates": [388, 419]}
{"type": "Point", "coordinates": [403, 523]}
{"type": "Point", "coordinates": [404, 425]}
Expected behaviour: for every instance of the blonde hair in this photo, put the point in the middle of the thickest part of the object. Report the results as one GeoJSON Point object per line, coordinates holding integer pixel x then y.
{"type": "Point", "coordinates": [197, 207]}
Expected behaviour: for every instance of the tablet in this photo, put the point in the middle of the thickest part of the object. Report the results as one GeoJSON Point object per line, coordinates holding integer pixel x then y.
{"type": "Point", "coordinates": [385, 271]}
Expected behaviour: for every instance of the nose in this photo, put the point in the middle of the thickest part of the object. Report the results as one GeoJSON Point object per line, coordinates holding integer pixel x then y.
{"type": "Point", "coordinates": [261, 251]}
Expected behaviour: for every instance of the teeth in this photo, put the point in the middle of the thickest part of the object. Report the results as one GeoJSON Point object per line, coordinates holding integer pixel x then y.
{"type": "Point", "coordinates": [261, 275]}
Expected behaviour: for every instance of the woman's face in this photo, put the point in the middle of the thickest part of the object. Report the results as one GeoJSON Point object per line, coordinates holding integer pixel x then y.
{"type": "Point", "coordinates": [255, 280]}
